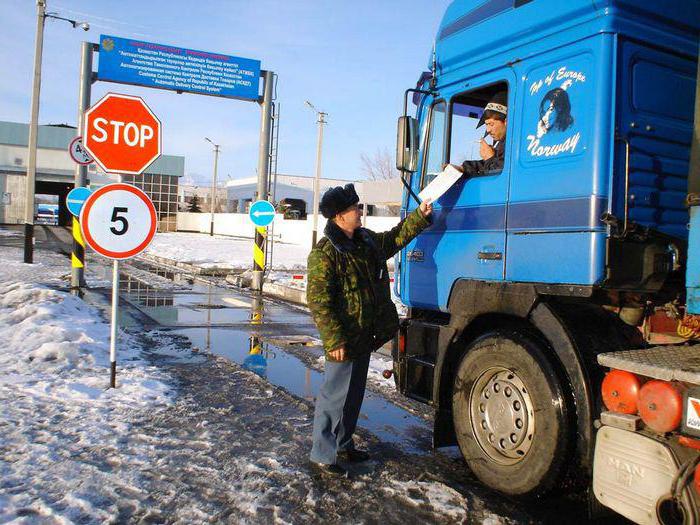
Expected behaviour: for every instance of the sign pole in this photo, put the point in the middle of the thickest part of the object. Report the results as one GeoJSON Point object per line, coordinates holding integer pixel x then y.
{"type": "Point", "coordinates": [263, 162]}
{"type": "Point", "coordinates": [113, 333]}
{"type": "Point", "coordinates": [77, 278]}
{"type": "Point", "coordinates": [115, 316]}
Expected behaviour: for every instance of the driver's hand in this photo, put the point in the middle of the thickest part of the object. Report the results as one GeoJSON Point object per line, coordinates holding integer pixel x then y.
{"type": "Point", "coordinates": [485, 150]}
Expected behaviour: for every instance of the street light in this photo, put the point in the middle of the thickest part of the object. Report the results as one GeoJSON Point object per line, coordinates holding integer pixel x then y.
{"type": "Point", "coordinates": [213, 186]}
{"type": "Point", "coordinates": [41, 16]}
{"type": "Point", "coordinates": [317, 181]}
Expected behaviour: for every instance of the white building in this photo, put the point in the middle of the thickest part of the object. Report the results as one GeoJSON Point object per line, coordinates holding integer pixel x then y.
{"type": "Point", "coordinates": [383, 197]}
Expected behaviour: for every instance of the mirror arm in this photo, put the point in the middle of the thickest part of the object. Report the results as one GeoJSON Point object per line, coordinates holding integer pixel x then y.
{"type": "Point", "coordinates": [413, 90]}
{"type": "Point", "coordinates": [405, 111]}
{"type": "Point", "coordinates": [408, 187]}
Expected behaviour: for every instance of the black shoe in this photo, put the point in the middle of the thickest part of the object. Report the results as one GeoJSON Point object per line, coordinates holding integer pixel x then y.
{"type": "Point", "coordinates": [332, 469]}
{"type": "Point", "coordinates": [353, 455]}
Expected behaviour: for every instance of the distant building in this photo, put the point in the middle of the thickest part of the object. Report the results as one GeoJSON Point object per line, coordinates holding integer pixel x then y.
{"type": "Point", "coordinates": [382, 197]}
{"type": "Point", "coordinates": [55, 173]}
{"type": "Point", "coordinates": [185, 193]}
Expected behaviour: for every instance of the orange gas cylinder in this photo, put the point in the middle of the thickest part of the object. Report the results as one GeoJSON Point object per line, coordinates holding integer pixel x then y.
{"type": "Point", "coordinates": [661, 405]}
{"type": "Point", "coordinates": [620, 391]}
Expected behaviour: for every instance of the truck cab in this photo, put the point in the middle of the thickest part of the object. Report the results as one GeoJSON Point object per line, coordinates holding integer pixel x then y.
{"type": "Point", "coordinates": [575, 246]}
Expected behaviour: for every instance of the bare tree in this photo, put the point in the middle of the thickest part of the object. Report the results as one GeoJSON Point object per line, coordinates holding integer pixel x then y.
{"type": "Point", "coordinates": [379, 166]}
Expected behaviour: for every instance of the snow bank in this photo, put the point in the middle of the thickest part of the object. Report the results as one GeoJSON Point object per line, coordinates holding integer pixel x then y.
{"type": "Point", "coordinates": [54, 370]}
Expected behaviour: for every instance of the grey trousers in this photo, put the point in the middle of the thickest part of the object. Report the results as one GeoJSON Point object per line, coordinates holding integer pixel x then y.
{"type": "Point", "coordinates": [337, 408]}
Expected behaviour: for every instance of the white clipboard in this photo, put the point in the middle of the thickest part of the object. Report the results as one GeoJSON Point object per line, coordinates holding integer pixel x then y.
{"type": "Point", "coordinates": [440, 184]}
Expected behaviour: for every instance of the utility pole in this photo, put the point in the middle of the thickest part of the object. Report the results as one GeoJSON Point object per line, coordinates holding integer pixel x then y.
{"type": "Point", "coordinates": [213, 186]}
{"type": "Point", "coordinates": [33, 131]}
{"type": "Point", "coordinates": [41, 16]}
{"type": "Point", "coordinates": [317, 181]}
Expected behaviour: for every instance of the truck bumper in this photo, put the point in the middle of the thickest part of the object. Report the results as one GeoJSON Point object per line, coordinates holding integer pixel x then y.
{"type": "Point", "coordinates": [633, 473]}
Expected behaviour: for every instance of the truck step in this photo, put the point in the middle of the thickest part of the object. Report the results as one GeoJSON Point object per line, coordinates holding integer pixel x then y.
{"type": "Point", "coordinates": [667, 362]}
{"type": "Point", "coordinates": [421, 360]}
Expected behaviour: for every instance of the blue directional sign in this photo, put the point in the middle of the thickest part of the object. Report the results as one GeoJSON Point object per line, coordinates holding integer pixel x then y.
{"type": "Point", "coordinates": [147, 64]}
{"type": "Point", "coordinates": [75, 199]}
{"type": "Point", "coordinates": [262, 213]}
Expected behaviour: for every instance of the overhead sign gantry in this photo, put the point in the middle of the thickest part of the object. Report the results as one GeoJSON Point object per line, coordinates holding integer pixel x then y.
{"type": "Point", "coordinates": [153, 65]}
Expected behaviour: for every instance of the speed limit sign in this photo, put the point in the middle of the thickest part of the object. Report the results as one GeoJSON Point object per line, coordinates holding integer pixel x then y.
{"type": "Point", "coordinates": [118, 221]}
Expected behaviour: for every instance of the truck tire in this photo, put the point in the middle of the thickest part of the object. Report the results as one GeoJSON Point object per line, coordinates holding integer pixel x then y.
{"type": "Point", "coordinates": [510, 414]}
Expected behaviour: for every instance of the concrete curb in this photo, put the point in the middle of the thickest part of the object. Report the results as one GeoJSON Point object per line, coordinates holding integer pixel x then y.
{"type": "Point", "coordinates": [189, 267]}
{"type": "Point", "coordinates": [232, 276]}
{"type": "Point", "coordinates": [287, 293]}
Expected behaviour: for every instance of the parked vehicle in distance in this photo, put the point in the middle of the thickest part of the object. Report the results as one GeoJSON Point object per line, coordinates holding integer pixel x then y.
{"type": "Point", "coordinates": [46, 214]}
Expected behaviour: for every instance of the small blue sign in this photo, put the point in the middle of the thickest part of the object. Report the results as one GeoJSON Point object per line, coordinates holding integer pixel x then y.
{"type": "Point", "coordinates": [75, 199]}
{"type": "Point", "coordinates": [147, 64]}
{"type": "Point", "coordinates": [262, 213]}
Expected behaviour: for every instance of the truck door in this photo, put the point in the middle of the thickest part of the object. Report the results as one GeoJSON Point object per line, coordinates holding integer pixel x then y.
{"type": "Point", "coordinates": [467, 237]}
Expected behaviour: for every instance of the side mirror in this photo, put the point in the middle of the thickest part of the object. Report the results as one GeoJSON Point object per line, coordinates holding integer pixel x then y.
{"type": "Point", "coordinates": [407, 144]}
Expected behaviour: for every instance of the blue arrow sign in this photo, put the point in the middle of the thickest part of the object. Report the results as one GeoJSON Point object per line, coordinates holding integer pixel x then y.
{"type": "Point", "coordinates": [262, 213]}
{"type": "Point", "coordinates": [75, 199]}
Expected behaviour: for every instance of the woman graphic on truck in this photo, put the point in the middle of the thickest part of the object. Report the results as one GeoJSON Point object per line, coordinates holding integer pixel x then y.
{"type": "Point", "coordinates": [555, 112]}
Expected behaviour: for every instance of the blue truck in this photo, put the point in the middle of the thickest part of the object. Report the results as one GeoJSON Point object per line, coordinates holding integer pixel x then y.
{"type": "Point", "coordinates": [538, 279]}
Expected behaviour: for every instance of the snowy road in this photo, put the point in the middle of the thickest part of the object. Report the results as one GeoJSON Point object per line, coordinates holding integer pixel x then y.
{"type": "Point", "coordinates": [198, 432]}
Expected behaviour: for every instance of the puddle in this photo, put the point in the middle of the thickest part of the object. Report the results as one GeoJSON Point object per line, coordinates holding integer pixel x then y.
{"type": "Point", "coordinates": [241, 327]}
{"type": "Point", "coordinates": [385, 420]}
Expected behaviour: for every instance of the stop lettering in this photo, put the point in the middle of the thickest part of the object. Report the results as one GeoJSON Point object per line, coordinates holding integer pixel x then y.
{"type": "Point", "coordinates": [122, 134]}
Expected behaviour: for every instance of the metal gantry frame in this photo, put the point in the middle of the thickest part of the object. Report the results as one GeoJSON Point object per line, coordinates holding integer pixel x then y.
{"type": "Point", "coordinates": [267, 157]}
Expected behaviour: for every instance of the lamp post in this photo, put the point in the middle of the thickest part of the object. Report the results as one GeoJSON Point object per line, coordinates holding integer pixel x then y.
{"type": "Point", "coordinates": [213, 186]}
{"type": "Point", "coordinates": [317, 180]}
{"type": "Point", "coordinates": [41, 16]}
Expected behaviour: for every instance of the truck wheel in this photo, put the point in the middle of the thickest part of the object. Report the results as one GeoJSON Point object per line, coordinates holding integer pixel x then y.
{"type": "Point", "coordinates": [510, 414]}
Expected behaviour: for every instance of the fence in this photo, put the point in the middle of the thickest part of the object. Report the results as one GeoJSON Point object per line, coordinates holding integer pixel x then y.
{"type": "Point", "coordinates": [289, 231]}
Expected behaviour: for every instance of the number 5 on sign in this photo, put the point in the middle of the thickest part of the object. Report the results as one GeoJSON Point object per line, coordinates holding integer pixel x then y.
{"type": "Point", "coordinates": [117, 221]}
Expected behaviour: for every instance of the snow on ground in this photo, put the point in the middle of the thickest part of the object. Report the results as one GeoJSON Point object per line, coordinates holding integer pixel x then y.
{"type": "Point", "coordinates": [179, 441]}
{"type": "Point", "coordinates": [223, 252]}
{"type": "Point", "coordinates": [54, 367]}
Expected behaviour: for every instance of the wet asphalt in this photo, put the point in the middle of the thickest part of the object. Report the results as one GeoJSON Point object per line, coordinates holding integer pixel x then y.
{"type": "Point", "coordinates": [248, 386]}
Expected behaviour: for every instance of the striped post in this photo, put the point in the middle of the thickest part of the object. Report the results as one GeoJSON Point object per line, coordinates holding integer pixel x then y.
{"type": "Point", "coordinates": [77, 257]}
{"type": "Point", "coordinates": [259, 257]}
{"type": "Point", "coordinates": [255, 346]}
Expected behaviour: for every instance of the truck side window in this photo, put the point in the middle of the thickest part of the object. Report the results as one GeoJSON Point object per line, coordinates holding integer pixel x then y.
{"type": "Point", "coordinates": [469, 111]}
{"type": "Point", "coordinates": [434, 154]}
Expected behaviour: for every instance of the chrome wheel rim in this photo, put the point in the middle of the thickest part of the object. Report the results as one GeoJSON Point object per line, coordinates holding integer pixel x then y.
{"type": "Point", "coordinates": [502, 415]}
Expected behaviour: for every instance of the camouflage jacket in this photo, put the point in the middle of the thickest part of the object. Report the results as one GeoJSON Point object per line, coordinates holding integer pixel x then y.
{"type": "Point", "coordinates": [348, 285]}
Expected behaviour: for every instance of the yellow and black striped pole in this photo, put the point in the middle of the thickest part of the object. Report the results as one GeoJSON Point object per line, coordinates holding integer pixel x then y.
{"type": "Point", "coordinates": [259, 257]}
{"type": "Point", "coordinates": [77, 258]}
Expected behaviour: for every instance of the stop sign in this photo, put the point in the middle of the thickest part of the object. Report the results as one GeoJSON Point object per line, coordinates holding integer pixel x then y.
{"type": "Point", "coordinates": [122, 134]}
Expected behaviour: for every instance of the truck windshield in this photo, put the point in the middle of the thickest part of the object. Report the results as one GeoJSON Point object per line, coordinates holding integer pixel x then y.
{"type": "Point", "coordinates": [435, 144]}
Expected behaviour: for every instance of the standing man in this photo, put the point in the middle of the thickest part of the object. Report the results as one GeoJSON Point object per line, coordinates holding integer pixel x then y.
{"type": "Point", "coordinates": [349, 297]}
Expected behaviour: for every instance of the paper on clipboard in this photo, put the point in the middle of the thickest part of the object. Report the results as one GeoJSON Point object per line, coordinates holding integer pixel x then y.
{"type": "Point", "coordinates": [440, 184]}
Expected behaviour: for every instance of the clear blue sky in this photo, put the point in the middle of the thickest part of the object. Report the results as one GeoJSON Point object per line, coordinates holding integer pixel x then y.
{"type": "Point", "coordinates": [352, 59]}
